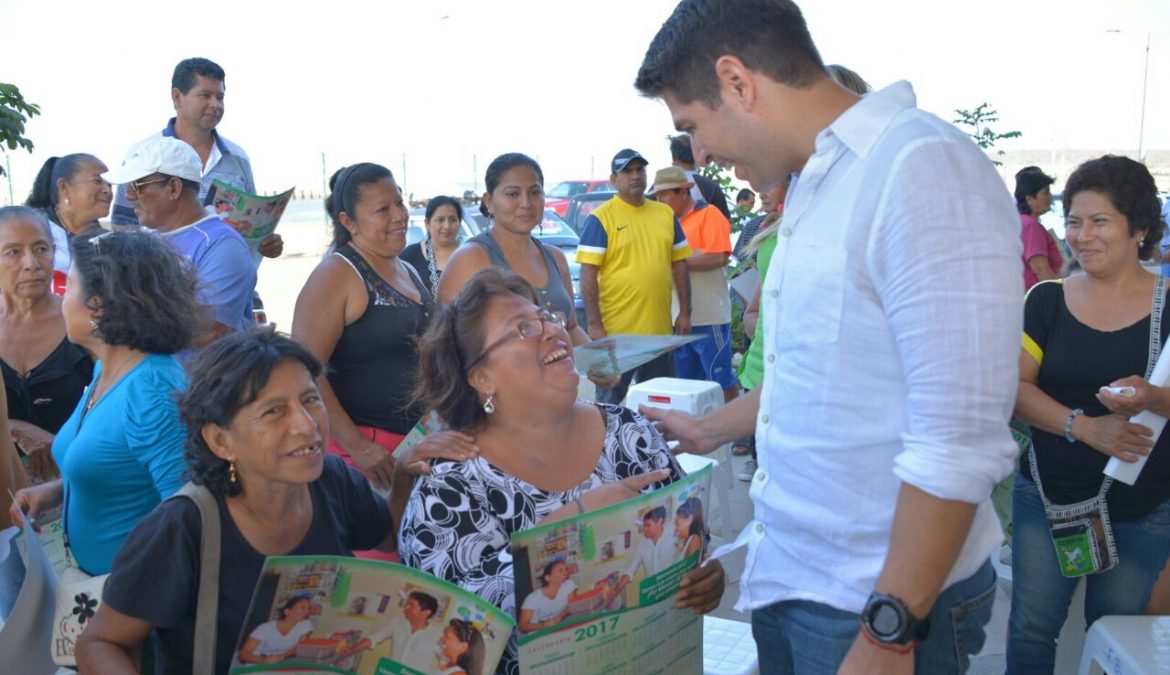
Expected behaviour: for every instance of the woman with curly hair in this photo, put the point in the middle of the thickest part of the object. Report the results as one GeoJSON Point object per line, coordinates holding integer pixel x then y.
{"type": "Point", "coordinates": [1098, 328]}
{"type": "Point", "coordinates": [256, 434]}
{"type": "Point", "coordinates": [130, 301]}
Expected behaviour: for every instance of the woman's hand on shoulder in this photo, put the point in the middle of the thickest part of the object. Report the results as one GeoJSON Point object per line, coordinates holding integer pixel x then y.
{"type": "Point", "coordinates": [1145, 397]}
{"type": "Point", "coordinates": [1114, 435]}
{"type": "Point", "coordinates": [38, 445]}
{"type": "Point", "coordinates": [447, 444]}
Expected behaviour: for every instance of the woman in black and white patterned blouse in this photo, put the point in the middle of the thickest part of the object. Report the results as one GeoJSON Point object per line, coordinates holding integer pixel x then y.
{"type": "Point", "coordinates": [497, 366]}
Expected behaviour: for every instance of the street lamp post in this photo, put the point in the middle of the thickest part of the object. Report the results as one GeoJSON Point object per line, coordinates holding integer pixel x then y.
{"type": "Point", "coordinates": [1145, 85]}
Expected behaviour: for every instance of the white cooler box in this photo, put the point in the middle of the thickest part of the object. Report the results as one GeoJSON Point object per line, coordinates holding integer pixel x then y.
{"type": "Point", "coordinates": [697, 397]}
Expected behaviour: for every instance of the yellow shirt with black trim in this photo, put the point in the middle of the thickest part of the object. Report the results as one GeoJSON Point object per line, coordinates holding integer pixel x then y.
{"type": "Point", "coordinates": [633, 248]}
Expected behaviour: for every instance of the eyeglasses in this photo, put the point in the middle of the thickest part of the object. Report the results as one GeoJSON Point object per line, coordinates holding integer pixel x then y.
{"type": "Point", "coordinates": [527, 329]}
{"type": "Point", "coordinates": [136, 186]}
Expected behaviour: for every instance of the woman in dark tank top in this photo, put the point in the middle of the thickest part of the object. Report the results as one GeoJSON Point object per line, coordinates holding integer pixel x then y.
{"type": "Point", "coordinates": [361, 312]}
{"type": "Point", "coordinates": [515, 202]}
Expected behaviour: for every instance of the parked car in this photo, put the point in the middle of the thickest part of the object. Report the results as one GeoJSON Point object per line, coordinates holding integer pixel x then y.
{"type": "Point", "coordinates": [558, 198]}
{"type": "Point", "coordinates": [582, 205]}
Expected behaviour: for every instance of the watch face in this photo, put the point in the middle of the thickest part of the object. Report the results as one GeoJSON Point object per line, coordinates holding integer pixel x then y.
{"type": "Point", "coordinates": [885, 621]}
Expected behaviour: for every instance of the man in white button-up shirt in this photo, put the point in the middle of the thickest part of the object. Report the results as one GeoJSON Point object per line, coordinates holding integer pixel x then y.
{"type": "Point", "coordinates": [891, 346]}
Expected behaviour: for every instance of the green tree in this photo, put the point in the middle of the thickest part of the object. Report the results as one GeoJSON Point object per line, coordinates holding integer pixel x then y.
{"type": "Point", "coordinates": [14, 112]}
{"type": "Point", "coordinates": [976, 123]}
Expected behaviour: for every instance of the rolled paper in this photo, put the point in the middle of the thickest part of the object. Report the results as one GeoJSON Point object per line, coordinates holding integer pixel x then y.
{"type": "Point", "coordinates": [1128, 472]}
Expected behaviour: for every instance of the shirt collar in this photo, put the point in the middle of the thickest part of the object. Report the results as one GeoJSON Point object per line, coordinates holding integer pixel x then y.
{"type": "Point", "coordinates": [170, 131]}
{"type": "Point", "coordinates": [859, 127]}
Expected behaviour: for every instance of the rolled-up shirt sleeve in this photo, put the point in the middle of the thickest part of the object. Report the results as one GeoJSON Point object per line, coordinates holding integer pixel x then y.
{"type": "Point", "coordinates": [945, 252]}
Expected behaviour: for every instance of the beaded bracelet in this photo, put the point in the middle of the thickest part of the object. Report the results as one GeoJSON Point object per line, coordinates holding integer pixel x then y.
{"type": "Point", "coordinates": [1068, 424]}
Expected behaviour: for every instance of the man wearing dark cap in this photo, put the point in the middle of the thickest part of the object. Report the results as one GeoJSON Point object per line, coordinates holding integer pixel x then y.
{"type": "Point", "coordinates": [632, 252]}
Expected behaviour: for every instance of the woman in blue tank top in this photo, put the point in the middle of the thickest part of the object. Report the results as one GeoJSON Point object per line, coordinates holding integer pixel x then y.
{"type": "Point", "coordinates": [515, 202]}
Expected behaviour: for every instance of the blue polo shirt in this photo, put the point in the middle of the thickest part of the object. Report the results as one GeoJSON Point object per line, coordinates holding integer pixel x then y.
{"type": "Point", "coordinates": [228, 162]}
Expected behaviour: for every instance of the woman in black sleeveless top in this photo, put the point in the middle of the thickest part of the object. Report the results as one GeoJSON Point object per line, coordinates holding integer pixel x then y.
{"type": "Point", "coordinates": [361, 312]}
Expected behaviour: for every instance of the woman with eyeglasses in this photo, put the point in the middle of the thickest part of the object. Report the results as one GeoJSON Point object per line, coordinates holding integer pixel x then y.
{"type": "Point", "coordinates": [496, 365]}
{"type": "Point", "coordinates": [44, 372]}
{"type": "Point", "coordinates": [515, 203]}
{"type": "Point", "coordinates": [70, 190]}
{"type": "Point", "coordinates": [131, 302]}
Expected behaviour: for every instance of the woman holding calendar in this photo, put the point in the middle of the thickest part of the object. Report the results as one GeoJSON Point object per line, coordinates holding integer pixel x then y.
{"type": "Point", "coordinates": [1102, 327]}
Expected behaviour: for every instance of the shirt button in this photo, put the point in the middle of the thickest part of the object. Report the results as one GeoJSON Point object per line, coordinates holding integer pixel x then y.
{"type": "Point", "coordinates": [760, 528]}
{"type": "Point", "coordinates": [787, 231]}
{"type": "Point", "coordinates": [775, 293]}
{"type": "Point", "coordinates": [760, 475]}
{"type": "Point", "coordinates": [764, 419]}
{"type": "Point", "coordinates": [771, 358]}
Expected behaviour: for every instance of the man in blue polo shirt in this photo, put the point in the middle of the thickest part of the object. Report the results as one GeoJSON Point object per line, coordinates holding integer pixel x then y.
{"type": "Point", "coordinates": [197, 92]}
{"type": "Point", "coordinates": [160, 178]}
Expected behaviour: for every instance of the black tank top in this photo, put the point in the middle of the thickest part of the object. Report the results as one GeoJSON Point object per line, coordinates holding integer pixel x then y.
{"type": "Point", "coordinates": [552, 296]}
{"type": "Point", "coordinates": [374, 367]}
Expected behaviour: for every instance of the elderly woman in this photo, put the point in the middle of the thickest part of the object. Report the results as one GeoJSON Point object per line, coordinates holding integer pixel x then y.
{"type": "Point", "coordinates": [70, 190]}
{"type": "Point", "coordinates": [1042, 257]}
{"type": "Point", "coordinates": [256, 433]}
{"type": "Point", "coordinates": [44, 373]}
{"type": "Point", "coordinates": [131, 302]}
{"type": "Point", "coordinates": [499, 367]}
{"type": "Point", "coordinates": [362, 311]}
{"type": "Point", "coordinates": [429, 257]}
{"type": "Point", "coordinates": [1091, 331]}
{"type": "Point", "coordinates": [515, 203]}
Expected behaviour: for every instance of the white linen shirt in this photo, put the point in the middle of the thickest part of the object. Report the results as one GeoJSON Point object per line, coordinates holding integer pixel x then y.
{"type": "Point", "coordinates": [417, 649]}
{"type": "Point", "coordinates": [891, 352]}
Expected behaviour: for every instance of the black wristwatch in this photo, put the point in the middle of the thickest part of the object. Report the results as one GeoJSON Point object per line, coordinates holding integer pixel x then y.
{"type": "Point", "coordinates": [887, 620]}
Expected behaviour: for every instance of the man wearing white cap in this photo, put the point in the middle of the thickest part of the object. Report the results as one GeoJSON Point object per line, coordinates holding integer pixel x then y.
{"type": "Point", "coordinates": [161, 176]}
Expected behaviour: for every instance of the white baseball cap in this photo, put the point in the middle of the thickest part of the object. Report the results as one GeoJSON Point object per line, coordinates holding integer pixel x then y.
{"type": "Point", "coordinates": [162, 154]}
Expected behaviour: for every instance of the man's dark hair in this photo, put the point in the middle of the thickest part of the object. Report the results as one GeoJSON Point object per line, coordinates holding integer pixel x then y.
{"type": "Point", "coordinates": [680, 150]}
{"type": "Point", "coordinates": [768, 36]}
{"type": "Point", "coordinates": [189, 70]}
{"type": "Point", "coordinates": [426, 602]}
{"type": "Point", "coordinates": [657, 513]}
{"type": "Point", "coordinates": [744, 194]}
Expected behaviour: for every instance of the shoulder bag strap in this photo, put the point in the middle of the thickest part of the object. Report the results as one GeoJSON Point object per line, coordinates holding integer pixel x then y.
{"type": "Point", "coordinates": [207, 607]}
{"type": "Point", "coordinates": [1158, 303]}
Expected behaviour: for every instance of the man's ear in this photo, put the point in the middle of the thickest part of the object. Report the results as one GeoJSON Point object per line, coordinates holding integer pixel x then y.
{"type": "Point", "coordinates": [175, 94]}
{"type": "Point", "coordinates": [737, 82]}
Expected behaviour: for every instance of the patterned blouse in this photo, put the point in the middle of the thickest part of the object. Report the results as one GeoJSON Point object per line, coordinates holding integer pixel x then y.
{"type": "Point", "coordinates": [460, 517]}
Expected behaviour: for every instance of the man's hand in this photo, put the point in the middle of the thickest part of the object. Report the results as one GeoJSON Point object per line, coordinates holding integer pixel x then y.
{"type": "Point", "coordinates": [596, 331]}
{"type": "Point", "coordinates": [701, 589]}
{"type": "Point", "coordinates": [271, 246]}
{"type": "Point", "coordinates": [865, 658]}
{"type": "Point", "coordinates": [682, 325]}
{"type": "Point", "coordinates": [685, 428]}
